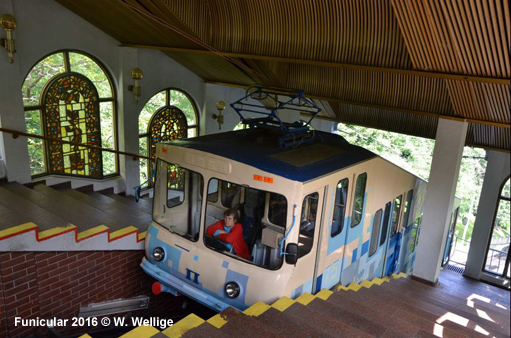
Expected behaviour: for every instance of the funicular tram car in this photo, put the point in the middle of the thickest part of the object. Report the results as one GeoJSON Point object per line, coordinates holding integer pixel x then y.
{"type": "Point", "coordinates": [314, 214]}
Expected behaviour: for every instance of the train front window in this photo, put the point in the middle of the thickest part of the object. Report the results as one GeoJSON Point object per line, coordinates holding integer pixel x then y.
{"type": "Point", "coordinates": [260, 223]}
{"type": "Point", "coordinates": [177, 199]}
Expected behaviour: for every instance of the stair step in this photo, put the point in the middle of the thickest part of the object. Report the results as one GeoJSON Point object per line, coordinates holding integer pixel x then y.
{"type": "Point", "coordinates": [204, 330]}
{"type": "Point", "coordinates": [144, 204]}
{"type": "Point", "coordinates": [120, 211]}
{"type": "Point", "coordinates": [27, 212]}
{"type": "Point", "coordinates": [349, 318]}
{"type": "Point", "coordinates": [121, 206]}
{"type": "Point", "coordinates": [325, 324]}
{"type": "Point", "coordinates": [279, 321]}
{"type": "Point", "coordinates": [438, 304]}
{"type": "Point", "coordinates": [348, 301]}
{"type": "Point", "coordinates": [240, 325]}
{"type": "Point", "coordinates": [421, 314]}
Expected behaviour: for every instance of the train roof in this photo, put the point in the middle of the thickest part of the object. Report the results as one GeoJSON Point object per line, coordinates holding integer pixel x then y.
{"type": "Point", "coordinates": [326, 153]}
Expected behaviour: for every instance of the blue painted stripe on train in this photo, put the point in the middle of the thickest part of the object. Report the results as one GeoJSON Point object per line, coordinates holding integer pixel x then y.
{"type": "Point", "coordinates": [336, 242]}
{"type": "Point", "coordinates": [354, 257]}
{"type": "Point", "coordinates": [365, 248]}
{"type": "Point", "coordinates": [318, 283]}
{"type": "Point", "coordinates": [180, 247]}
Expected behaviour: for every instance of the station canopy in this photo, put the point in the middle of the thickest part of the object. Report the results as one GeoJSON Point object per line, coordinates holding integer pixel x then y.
{"type": "Point", "coordinates": [396, 65]}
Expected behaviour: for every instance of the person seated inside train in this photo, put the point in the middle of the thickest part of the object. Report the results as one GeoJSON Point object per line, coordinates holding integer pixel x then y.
{"type": "Point", "coordinates": [230, 233]}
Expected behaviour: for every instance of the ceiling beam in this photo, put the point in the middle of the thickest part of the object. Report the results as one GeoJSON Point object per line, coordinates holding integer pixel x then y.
{"type": "Point", "coordinates": [401, 110]}
{"type": "Point", "coordinates": [445, 76]}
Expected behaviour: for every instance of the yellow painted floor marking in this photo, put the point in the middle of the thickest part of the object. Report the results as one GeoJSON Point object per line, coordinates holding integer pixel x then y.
{"type": "Point", "coordinates": [91, 232]}
{"type": "Point", "coordinates": [17, 229]}
{"type": "Point", "coordinates": [183, 326]}
{"type": "Point", "coordinates": [342, 287]}
{"type": "Point", "coordinates": [282, 304]}
{"type": "Point", "coordinates": [217, 321]}
{"type": "Point", "coordinates": [354, 287]}
{"type": "Point", "coordinates": [85, 336]}
{"type": "Point", "coordinates": [141, 236]}
{"type": "Point", "coordinates": [55, 231]}
{"type": "Point", "coordinates": [324, 294]}
{"type": "Point", "coordinates": [141, 332]}
{"type": "Point", "coordinates": [305, 298]}
{"type": "Point", "coordinates": [378, 281]}
{"type": "Point", "coordinates": [366, 284]}
{"type": "Point", "coordinates": [257, 309]}
{"type": "Point", "coordinates": [119, 233]}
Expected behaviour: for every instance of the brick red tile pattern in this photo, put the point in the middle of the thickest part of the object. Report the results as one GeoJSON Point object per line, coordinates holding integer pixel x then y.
{"type": "Point", "coordinates": [57, 284]}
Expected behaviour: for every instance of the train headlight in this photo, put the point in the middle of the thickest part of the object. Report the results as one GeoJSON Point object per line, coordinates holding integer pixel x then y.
{"type": "Point", "coordinates": [232, 290]}
{"type": "Point", "coordinates": [158, 254]}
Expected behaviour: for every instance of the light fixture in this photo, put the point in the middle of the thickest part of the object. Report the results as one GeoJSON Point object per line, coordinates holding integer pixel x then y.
{"type": "Point", "coordinates": [8, 23]}
{"type": "Point", "coordinates": [220, 105]}
{"type": "Point", "coordinates": [232, 289]}
{"type": "Point", "coordinates": [136, 75]}
{"type": "Point", "coordinates": [158, 254]}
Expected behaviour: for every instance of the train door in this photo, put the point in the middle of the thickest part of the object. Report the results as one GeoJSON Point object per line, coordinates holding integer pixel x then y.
{"type": "Point", "coordinates": [354, 233]}
{"type": "Point", "coordinates": [382, 244]}
{"type": "Point", "coordinates": [392, 254]}
{"type": "Point", "coordinates": [309, 219]}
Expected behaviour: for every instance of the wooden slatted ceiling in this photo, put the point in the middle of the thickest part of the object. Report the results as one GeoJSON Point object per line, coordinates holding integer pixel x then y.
{"type": "Point", "coordinates": [348, 31]}
{"type": "Point", "coordinates": [383, 89]}
{"type": "Point", "coordinates": [447, 36]}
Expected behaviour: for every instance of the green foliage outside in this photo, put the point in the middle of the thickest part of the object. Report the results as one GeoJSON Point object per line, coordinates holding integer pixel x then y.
{"type": "Point", "coordinates": [33, 87]}
{"type": "Point", "coordinates": [414, 154]}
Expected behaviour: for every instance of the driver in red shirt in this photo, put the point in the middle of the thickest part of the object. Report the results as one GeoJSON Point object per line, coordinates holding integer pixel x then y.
{"type": "Point", "coordinates": [230, 233]}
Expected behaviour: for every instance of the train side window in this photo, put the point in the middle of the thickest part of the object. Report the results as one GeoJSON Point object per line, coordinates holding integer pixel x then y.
{"type": "Point", "coordinates": [415, 233]}
{"type": "Point", "coordinates": [178, 189]}
{"type": "Point", "coordinates": [358, 202]}
{"type": "Point", "coordinates": [341, 194]}
{"type": "Point", "coordinates": [231, 194]}
{"type": "Point", "coordinates": [375, 232]}
{"type": "Point", "coordinates": [395, 215]}
{"type": "Point", "coordinates": [385, 228]}
{"type": "Point", "coordinates": [213, 191]}
{"type": "Point", "coordinates": [407, 208]}
{"type": "Point", "coordinates": [308, 223]}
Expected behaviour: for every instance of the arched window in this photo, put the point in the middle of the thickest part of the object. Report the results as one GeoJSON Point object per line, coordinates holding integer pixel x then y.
{"type": "Point", "coordinates": [168, 115]}
{"type": "Point", "coordinates": [497, 256]}
{"type": "Point", "coordinates": [69, 96]}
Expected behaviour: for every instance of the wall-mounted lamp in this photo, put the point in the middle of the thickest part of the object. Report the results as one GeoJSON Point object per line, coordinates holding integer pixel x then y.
{"type": "Point", "coordinates": [136, 75]}
{"type": "Point", "coordinates": [8, 23]}
{"type": "Point", "coordinates": [220, 105]}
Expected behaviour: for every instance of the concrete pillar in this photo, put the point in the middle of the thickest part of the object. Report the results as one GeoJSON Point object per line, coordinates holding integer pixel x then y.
{"type": "Point", "coordinates": [497, 171]}
{"type": "Point", "coordinates": [443, 178]}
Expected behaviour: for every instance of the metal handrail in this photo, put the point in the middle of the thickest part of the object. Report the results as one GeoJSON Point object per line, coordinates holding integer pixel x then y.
{"type": "Point", "coordinates": [16, 134]}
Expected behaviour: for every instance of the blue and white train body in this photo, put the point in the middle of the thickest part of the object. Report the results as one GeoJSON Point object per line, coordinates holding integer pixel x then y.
{"type": "Point", "coordinates": [314, 215]}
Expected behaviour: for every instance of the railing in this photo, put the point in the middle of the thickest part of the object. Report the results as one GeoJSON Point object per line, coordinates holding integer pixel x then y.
{"type": "Point", "coordinates": [500, 256]}
{"type": "Point", "coordinates": [16, 134]}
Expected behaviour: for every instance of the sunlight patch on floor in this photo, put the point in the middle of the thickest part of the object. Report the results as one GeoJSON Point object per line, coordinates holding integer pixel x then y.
{"type": "Point", "coordinates": [438, 330]}
{"type": "Point", "coordinates": [481, 330]}
{"type": "Point", "coordinates": [484, 315]}
{"type": "Point", "coordinates": [501, 306]}
{"type": "Point", "coordinates": [449, 316]}
{"type": "Point", "coordinates": [473, 296]}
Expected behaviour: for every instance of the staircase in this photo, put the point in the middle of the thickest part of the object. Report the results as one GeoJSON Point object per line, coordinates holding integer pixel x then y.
{"type": "Point", "coordinates": [57, 218]}
{"type": "Point", "coordinates": [390, 307]}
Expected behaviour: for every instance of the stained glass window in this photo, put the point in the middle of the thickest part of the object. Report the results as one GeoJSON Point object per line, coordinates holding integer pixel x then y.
{"type": "Point", "coordinates": [168, 115]}
{"type": "Point", "coordinates": [69, 96]}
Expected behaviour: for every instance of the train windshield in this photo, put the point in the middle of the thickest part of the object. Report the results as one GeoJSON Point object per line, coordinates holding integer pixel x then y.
{"type": "Point", "coordinates": [259, 223]}
{"type": "Point", "coordinates": [178, 200]}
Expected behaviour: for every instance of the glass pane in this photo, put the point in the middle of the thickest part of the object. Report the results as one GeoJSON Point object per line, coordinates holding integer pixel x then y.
{"type": "Point", "coordinates": [307, 224]}
{"type": "Point", "coordinates": [181, 101]}
{"type": "Point", "coordinates": [505, 190]}
{"type": "Point", "coordinates": [339, 207]}
{"type": "Point", "coordinates": [407, 208]}
{"type": "Point", "coordinates": [358, 202]}
{"type": "Point", "coordinates": [395, 215]}
{"type": "Point", "coordinates": [385, 225]}
{"type": "Point", "coordinates": [156, 102]}
{"type": "Point", "coordinates": [192, 132]}
{"type": "Point", "coordinates": [88, 67]}
{"type": "Point", "coordinates": [183, 218]}
{"type": "Point", "coordinates": [499, 245]}
{"type": "Point", "coordinates": [277, 212]}
{"type": "Point", "coordinates": [107, 137]}
{"type": "Point", "coordinates": [39, 76]}
{"type": "Point", "coordinates": [375, 232]}
{"type": "Point", "coordinates": [231, 194]}
{"type": "Point", "coordinates": [143, 170]}
{"type": "Point", "coordinates": [33, 122]}
{"type": "Point", "coordinates": [36, 156]}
